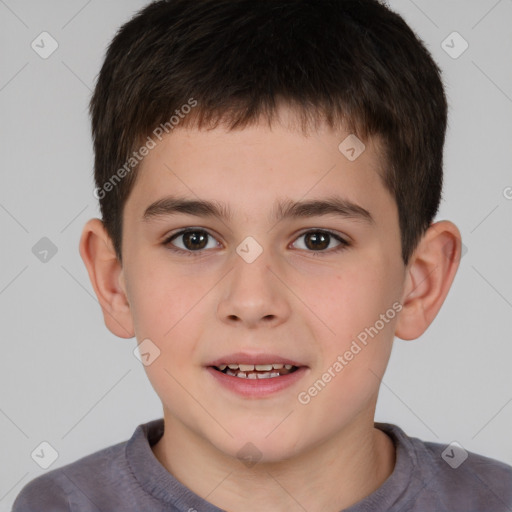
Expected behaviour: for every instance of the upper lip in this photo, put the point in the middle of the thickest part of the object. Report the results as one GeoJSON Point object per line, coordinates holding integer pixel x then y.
{"type": "Point", "coordinates": [245, 358]}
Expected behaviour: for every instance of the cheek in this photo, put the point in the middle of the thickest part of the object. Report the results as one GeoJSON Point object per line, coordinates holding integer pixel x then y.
{"type": "Point", "coordinates": [360, 312]}
{"type": "Point", "coordinates": [360, 307]}
{"type": "Point", "coordinates": [353, 300]}
{"type": "Point", "coordinates": [161, 300]}
{"type": "Point", "coordinates": [165, 309]}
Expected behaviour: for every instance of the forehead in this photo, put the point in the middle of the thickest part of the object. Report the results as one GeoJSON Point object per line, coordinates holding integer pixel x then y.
{"type": "Point", "coordinates": [261, 167]}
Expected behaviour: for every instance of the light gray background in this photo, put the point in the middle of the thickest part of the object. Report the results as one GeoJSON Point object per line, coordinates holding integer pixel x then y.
{"type": "Point", "coordinates": [66, 380]}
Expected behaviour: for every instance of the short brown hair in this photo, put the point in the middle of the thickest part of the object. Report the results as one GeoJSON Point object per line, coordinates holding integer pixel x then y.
{"type": "Point", "coordinates": [352, 64]}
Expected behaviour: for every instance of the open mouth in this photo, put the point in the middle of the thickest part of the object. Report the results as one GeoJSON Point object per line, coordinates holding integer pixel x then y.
{"type": "Point", "coordinates": [256, 371]}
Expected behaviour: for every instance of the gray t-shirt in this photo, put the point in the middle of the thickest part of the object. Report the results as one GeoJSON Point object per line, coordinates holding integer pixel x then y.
{"type": "Point", "coordinates": [127, 477]}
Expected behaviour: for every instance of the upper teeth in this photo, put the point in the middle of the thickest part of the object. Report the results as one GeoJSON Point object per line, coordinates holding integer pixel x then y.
{"type": "Point", "coordinates": [252, 367]}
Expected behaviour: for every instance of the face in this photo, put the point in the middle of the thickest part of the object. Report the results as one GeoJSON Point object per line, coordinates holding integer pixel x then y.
{"type": "Point", "coordinates": [295, 262]}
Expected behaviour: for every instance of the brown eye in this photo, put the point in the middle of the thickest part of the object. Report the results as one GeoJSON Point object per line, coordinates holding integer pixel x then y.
{"type": "Point", "coordinates": [195, 240]}
{"type": "Point", "coordinates": [192, 240]}
{"type": "Point", "coordinates": [317, 240]}
{"type": "Point", "coordinates": [320, 241]}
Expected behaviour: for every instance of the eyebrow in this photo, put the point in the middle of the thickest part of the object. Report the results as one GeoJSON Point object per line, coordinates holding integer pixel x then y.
{"type": "Point", "coordinates": [333, 205]}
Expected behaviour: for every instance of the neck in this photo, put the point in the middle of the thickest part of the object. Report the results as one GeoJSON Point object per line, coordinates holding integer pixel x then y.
{"type": "Point", "coordinates": [329, 477]}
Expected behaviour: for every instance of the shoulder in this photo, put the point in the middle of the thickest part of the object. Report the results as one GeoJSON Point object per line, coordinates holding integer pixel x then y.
{"type": "Point", "coordinates": [482, 482]}
{"type": "Point", "coordinates": [453, 478]}
{"type": "Point", "coordinates": [42, 494]}
{"type": "Point", "coordinates": [75, 486]}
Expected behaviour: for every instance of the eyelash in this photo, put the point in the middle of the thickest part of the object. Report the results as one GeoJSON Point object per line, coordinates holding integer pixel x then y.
{"type": "Point", "coordinates": [343, 244]}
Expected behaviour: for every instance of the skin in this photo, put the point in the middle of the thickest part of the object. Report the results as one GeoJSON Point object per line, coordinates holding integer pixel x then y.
{"type": "Point", "coordinates": [293, 301]}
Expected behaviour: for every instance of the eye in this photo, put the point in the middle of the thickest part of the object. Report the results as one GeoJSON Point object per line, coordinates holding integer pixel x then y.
{"type": "Point", "coordinates": [320, 240]}
{"type": "Point", "coordinates": [191, 240]}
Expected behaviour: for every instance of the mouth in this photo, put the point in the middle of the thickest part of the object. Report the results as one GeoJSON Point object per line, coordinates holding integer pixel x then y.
{"type": "Point", "coordinates": [256, 375]}
{"type": "Point", "coordinates": [256, 371]}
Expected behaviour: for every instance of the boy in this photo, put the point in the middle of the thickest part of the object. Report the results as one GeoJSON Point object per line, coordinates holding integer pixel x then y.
{"type": "Point", "coordinates": [268, 174]}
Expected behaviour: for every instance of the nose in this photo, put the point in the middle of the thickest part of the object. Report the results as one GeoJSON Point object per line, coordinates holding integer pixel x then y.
{"type": "Point", "coordinates": [253, 295]}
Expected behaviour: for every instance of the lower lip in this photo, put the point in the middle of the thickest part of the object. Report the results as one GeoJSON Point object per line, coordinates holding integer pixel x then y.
{"type": "Point", "coordinates": [257, 388]}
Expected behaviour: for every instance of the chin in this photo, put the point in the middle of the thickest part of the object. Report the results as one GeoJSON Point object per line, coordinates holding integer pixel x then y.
{"type": "Point", "coordinates": [260, 449]}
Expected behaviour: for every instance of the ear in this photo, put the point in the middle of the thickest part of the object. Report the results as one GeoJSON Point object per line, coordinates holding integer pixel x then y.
{"type": "Point", "coordinates": [106, 275]}
{"type": "Point", "coordinates": [429, 275]}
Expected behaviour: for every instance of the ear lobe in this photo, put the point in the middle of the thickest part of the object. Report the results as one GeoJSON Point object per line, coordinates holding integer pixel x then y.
{"type": "Point", "coordinates": [430, 274]}
{"type": "Point", "coordinates": [106, 275]}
